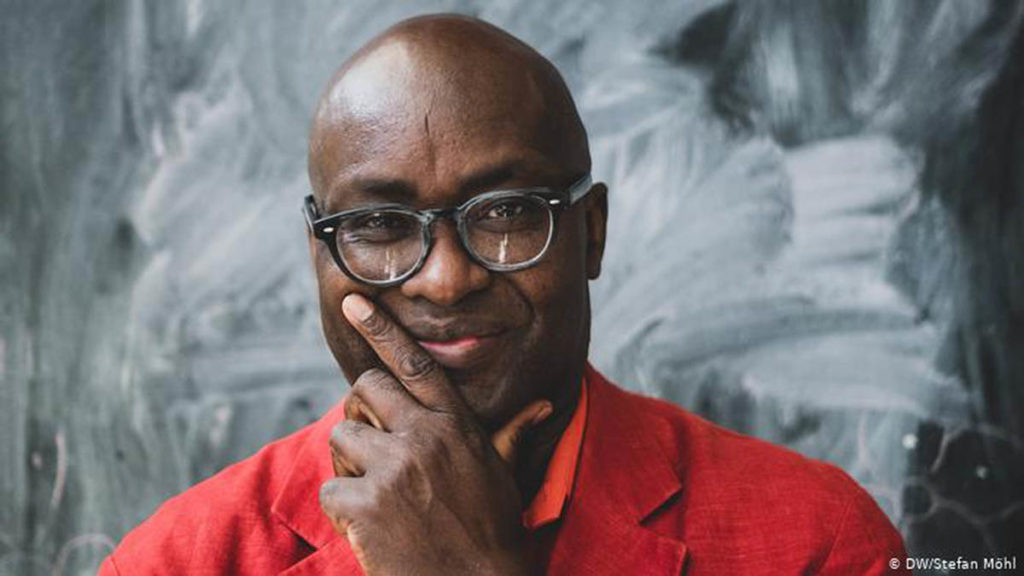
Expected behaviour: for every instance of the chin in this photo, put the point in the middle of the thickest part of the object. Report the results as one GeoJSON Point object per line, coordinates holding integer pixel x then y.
{"type": "Point", "coordinates": [491, 395]}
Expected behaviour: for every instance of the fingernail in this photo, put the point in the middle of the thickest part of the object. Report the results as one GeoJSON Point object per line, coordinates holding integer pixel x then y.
{"type": "Point", "coordinates": [541, 414]}
{"type": "Point", "coordinates": [357, 306]}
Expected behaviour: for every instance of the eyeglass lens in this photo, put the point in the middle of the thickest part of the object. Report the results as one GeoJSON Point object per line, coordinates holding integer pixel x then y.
{"type": "Point", "coordinates": [501, 232]}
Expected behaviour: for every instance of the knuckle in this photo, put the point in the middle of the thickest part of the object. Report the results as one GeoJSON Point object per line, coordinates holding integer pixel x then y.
{"type": "Point", "coordinates": [378, 327]}
{"type": "Point", "coordinates": [372, 378]}
{"type": "Point", "coordinates": [327, 495]}
{"type": "Point", "coordinates": [344, 431]}
{"type": "Point", "coordinates": [415, 365]}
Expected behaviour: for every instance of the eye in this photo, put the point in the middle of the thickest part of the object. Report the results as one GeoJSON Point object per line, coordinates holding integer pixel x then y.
{"type": "Point", "coordinates": [508, 215]}
{"type": "Point", "coordinates": [384, 221]}
{"type": "Point", "coordinates": [505, 210]}
{"type": "Point", "coordinates": [377, 227]}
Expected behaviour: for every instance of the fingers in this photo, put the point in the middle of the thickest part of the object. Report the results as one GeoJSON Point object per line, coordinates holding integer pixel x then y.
{"type": "Point", "coordinates": [506, 441]}
{"type": "Point", "coordinates": [339, 498]}
{"type": "Point", "coordinates": [382, 401]}
{"type": "Point", "coordinates": [359, 411]}
{"type": "Point", "coordinates": [410, 363]}
{"type": "Point", "coordinates": [354, 445]}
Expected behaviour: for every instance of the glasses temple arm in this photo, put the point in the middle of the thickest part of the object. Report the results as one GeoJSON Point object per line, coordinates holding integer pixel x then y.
{"type": "Point", "coordinates": [580, 188]}
{"type": "Point", "coordinates": [309, 211]}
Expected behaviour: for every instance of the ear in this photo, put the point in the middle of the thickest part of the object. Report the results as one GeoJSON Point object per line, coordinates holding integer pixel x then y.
{"type": "Point", "coordinates": [596, 215]}
{"type": "Point", "coordinates": [314, 252]}
{"type": "Point", "coordinates": [312, 245]}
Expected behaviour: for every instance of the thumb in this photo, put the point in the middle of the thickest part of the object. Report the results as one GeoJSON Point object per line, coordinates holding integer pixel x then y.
{"type": "Point", "coordinates": [506, 440]}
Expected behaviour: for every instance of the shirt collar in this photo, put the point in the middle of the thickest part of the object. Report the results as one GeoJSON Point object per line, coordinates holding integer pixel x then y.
{"type": "Point", "coordinates": [556, 488]}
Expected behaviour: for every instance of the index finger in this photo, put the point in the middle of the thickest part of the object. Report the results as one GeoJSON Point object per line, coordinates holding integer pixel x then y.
{"type": "Point", "coordinates": [414, 368]}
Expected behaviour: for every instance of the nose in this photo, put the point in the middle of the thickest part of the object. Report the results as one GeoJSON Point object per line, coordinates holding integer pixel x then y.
{"type": "Point", "coordinates": [449, 274]}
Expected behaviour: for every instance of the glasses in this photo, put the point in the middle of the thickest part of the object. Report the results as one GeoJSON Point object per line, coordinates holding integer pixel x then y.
{"type": "Point", "coordinates": [503, 231]}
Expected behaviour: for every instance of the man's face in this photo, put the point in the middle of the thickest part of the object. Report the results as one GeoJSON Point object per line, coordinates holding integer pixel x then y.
{"type": "Point", "coordinates": [403, 134]}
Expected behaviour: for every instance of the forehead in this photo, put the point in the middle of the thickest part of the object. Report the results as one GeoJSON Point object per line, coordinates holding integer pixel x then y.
{"type": "Point", "coordinates": [443, 133]}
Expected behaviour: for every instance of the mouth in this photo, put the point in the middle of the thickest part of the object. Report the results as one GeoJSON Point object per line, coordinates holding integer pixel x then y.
{"type": "Point", "coordinates": [463, 352]}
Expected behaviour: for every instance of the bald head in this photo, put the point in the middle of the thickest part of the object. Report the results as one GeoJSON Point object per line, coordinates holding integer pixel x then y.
{"type": "Point", "coordinates": [433, 92]}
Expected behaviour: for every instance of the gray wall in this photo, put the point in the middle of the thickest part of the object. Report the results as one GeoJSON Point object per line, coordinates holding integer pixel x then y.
{"type": "Point", "coordinates": [817, 223]}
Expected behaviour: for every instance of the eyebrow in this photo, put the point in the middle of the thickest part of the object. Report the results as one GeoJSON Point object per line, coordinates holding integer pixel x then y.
{"type": "Point", "coordinates": [399, 191]}
{"type": "Point", "coordinates": [404, 192]}
{"type": "Point", "coordinates": [491, 177]}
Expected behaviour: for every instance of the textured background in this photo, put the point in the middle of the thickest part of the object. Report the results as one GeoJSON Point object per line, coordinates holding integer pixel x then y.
{"type": "Point", "coordinates": [816, 236]}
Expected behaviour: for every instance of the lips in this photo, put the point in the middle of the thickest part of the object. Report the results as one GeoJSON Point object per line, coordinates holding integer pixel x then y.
{"type": "Point", "coordinates": [463, 352]}
{"type": "Point", "coordinates": [459, 343]}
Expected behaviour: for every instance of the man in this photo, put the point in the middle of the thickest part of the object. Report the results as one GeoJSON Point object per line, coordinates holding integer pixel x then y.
{"type": "Point", "coordinates": [453, 229]}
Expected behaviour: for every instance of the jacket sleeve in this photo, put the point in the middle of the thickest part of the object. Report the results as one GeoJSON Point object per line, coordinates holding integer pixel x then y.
{"type": "Point", "coordinates": [866, 541]}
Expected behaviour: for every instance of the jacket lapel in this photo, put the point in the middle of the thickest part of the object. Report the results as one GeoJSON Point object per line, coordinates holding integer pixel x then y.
{"type": "Point", "coordinates": [298, 507]}
{"type": "Point", "coordinates": [624, 477]}
{"type": "Point", "coordinates": [334, 558]}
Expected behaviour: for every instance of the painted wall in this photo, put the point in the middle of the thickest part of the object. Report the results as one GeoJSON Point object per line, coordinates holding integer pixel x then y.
{"type": "Point", "coordinates": [816, 237]}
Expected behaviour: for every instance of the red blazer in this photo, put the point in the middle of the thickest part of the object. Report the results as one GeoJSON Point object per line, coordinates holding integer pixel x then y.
{"type": "Point", "coordinates": [658, 491]}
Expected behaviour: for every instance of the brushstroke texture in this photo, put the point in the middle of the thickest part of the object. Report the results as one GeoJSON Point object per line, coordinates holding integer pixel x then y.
{"type": "Point", "coordinates": [817, 215]}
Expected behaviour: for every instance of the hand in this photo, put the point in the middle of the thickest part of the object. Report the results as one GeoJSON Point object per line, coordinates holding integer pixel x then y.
{"type": "Point", "coordinates": [421, 489]}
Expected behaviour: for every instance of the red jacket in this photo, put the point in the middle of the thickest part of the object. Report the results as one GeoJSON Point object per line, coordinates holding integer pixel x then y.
{"type": "Point", "coordinates": [658, 491]}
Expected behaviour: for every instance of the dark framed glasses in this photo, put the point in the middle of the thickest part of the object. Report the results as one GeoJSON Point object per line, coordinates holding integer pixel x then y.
{"type": "Point", "coordinates": [503, 231]}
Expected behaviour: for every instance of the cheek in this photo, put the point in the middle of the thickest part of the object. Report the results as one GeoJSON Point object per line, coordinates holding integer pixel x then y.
{"type": "Point", "coordinates": [563, 275]}
{"type": "Point", "coordinates": [556, 343]}
{"type": "Point", "coordinates": [350, 351]}
{"type": "Point", "coordinates": [557, 287]}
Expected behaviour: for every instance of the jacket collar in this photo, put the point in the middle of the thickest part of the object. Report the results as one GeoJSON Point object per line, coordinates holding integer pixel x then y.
{"type": "Point", "coordinates": [602, 529]}
{"type": "Point", "coordinates": [622, 438]}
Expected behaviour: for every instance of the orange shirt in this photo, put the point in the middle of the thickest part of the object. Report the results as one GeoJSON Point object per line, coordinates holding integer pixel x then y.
{"type": "Point", "coordinates": [554, 492]}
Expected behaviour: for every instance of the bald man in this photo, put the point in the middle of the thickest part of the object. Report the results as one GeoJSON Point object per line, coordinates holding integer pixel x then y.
{"type": "Point", "coordinates": [453, 227]}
